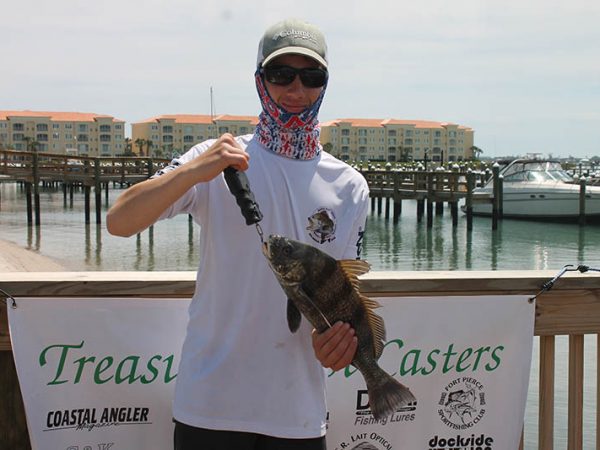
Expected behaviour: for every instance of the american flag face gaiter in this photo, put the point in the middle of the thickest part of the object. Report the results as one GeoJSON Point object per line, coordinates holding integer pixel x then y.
{"type": "Point", "coordinates": [294, 135]}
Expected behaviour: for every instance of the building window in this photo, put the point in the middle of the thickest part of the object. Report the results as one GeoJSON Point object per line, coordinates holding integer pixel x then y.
{"type": "Point", "coordinates": [362, 150]}
{"type": "Point", "coordinates": [188, 129]}
{"type": "Point", "coordinates": [68, 136]}
{"type": "Point", "coordinates": [82, 137]}
{"type": "Point", "coordinates": [55, 126]}
{"type": "Point", "coordinates": [41, 127]}
{"type": "Point", "coordinates": [106, 149]}
{"type": "Point", "coordinates": [362, 141]}
{"type": "Point", "coordinates": [346, 132]}
{"type": "Point", "coordinates": [68, 126]}
{"type": "Point", "coordinates": [223, 130]}
{"type": "Point", "coordinates": [18, 127]}
{"type": "Point", "coordinates": [243, 130]}
{"type": "Point", "coordinates": [55, 136]}
{"type": "Point", "coordinates": [105, 138]}
{"type": "Point", "coordinates": [104, 128]}
{"type": "Point", "coordinates": [408, 133]}
{"type": "Point", "coordinates": [154, 127]}
{"type": "Point", "coordinates": [168, 129]}
{"type": "Point", "coordinates": [392, 133]}
{"type": "Point", "coordinates": [42, 138]}
{"type": "Point", "coordinates": [82, 148]}
{"type": "Point", "coordinates": [118, 126]}
{"type": "Point", "coordinates": [167, 138]}
{"type": "Point", "coordinates": [362, 132]}
{"type": "Point", "coordinates": [18, 136]}
{"type": "Point", "coordinates": [438, 133]}
{"type": "Point", "coordinates": [82, 128]}
{"type": "Point", "coordinates": [188, 139]}
{"type": "Point", "coordinates": [408, 142]}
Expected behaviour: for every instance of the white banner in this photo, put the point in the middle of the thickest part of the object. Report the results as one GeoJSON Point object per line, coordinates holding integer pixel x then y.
{"type": "Point", "coordinates": [99, 373]}
{"type": "Point", "coordinates": [466, 360]}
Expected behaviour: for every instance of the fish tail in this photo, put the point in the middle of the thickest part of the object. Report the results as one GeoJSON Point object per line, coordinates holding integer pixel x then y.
{"type": "Point", "coordinates": [386, 394]}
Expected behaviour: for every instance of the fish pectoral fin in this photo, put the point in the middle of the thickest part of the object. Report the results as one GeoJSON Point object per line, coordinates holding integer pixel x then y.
{"type": "Point", "coordinates": [293, 316]}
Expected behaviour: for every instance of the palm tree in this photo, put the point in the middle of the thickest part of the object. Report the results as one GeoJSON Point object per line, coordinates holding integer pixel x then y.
{"type": "Point", "coordinates": [31, 144]}
{"type": "Point", "coordinates": [476, 151]}
{"type": "Point", "coordinates": [128, 146]}
{"type": "Point", "coordinates": [139, 142]}
{"type": "Point", "coordinates": [149, 145]}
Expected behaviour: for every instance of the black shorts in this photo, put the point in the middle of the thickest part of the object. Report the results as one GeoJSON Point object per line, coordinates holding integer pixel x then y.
{"type": "Point", "coordinates": [191, 438]}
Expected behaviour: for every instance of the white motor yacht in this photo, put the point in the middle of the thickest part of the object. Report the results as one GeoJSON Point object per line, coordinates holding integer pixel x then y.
{"type": "Point", "coordinates": [539, 189]}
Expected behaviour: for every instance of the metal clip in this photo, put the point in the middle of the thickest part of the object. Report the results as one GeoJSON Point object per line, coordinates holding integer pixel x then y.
{"type": "Point", "coordinates": [7, 296]}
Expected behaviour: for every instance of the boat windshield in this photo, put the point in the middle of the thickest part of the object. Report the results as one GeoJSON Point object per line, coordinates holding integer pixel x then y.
{"type": "Point", "coordinates": [535, 171]}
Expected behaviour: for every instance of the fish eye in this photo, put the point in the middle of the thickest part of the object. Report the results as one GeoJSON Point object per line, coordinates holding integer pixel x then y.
{"type": "Point", "coordinates": [287, 250]}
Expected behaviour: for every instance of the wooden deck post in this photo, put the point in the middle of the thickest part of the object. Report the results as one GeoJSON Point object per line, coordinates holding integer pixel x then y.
{"type": "Point", "coordinates": [29, 205]}
{"type": "Point", "coordinates": [36, 188]}
{"type": "Point", "coordinates": [469, 200]}
{"type": "Point", "coordinates": [496, 200]}
{"type": "Point", "coordinates": [97, 190]}
{"type": "Point", "coordinates": [582, 201]}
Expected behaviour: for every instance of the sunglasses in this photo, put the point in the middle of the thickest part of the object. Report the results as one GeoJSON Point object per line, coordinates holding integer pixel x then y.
{"type": "Point", "coordinates": [311, 77]}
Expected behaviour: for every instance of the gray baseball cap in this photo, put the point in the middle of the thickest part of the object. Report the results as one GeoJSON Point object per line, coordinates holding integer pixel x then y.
{"type": "Point", "coordinates": [295, 37]}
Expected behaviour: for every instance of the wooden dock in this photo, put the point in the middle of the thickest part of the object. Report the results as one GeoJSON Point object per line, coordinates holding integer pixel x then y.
{"type": "Point", "coordinates": [428, 188]}
{"type": "Point", "coordinates": [431, 188]}
{"type": "Point", "coordinates": [33, 169]}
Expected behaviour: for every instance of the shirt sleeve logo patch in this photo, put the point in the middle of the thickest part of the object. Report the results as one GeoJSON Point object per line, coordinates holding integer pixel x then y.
{"type": "Point", "coordinates": [321, 225]}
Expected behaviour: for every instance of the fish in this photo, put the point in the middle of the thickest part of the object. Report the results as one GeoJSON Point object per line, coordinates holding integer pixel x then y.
{"type": "Point", "coordinates": [325, 290]}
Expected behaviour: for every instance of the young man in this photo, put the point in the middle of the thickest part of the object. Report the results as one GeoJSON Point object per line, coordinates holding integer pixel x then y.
{"type": "Point", "coordinates": [245, 381]}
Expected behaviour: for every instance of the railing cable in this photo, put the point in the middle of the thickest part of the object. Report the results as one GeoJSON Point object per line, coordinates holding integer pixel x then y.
{"type": "Point", "coordinates": [567, 268]}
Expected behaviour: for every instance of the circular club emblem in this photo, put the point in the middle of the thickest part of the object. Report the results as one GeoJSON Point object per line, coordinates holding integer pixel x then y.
{"type": "Point", "coordinates": [321, 225]}
{"type": "Point", "coordinates": [462, 403]}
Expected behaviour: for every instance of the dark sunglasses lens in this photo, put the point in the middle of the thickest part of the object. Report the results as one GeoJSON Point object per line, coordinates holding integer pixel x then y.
{"type": "Point", "coordinates": [284, 75]}
{"type": "Point", "coordinates": [313, 78]}
{"type": "Point", "coordinates": [280, 75]}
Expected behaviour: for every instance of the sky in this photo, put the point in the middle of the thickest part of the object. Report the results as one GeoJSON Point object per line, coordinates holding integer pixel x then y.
{"type": "Point", "coordinates": [523, 74]}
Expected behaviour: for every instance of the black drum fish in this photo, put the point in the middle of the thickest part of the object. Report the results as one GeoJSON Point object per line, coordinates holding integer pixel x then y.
{"type": "Point", "coordinates": [325, 291]}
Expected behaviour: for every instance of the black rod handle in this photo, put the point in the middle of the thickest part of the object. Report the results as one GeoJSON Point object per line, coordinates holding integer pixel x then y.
{"type": "Point", "coordinates": [239, 186]}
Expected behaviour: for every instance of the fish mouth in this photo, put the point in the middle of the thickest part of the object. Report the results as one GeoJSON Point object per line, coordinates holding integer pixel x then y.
{"type": "Point", "coordinates": [266, 251]}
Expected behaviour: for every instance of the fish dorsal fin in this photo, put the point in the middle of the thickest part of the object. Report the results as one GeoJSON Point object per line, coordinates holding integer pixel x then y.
{"type": "Point", "coordinates": [375, 323]}
{"type": "Point", "coordinates": [353, 268]}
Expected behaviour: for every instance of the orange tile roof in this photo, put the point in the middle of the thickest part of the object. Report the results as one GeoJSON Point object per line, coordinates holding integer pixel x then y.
{"type": "Point", "coordinates": [58, 116]}
{"type": "Point", "coordinates": [200, 118]}
{"type": "Point", "coordinates": [375, 123]}
{"type": "Point", "coordinates": [252, 119]}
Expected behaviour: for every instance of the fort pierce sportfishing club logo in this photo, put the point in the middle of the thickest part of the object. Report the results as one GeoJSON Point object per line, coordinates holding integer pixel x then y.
{"type": "Point", "coordinates": [462, 403]}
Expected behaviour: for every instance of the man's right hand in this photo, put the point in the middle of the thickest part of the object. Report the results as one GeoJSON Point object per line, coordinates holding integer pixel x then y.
{"type": "Point", "coordinates": [142, 204]}
{"type": "Point", "coordinates": [224, 152]}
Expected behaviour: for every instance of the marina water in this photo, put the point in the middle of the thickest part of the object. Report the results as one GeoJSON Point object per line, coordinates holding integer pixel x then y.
{"type": "Point", "coordinates": [405, 246]}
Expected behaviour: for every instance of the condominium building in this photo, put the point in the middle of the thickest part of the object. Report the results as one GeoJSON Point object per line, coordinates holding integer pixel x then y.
{"type": "Point", "coordinates": [83, 134]}
{"type": "Point", "coordinates": [397, 140]}
{"type": "Point", "coordinates": [174, 134]}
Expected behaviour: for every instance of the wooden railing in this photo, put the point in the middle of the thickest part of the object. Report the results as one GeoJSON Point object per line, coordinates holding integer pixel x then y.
{"type": "Point", "coordinates": [34, 166]}
{"type": "Point", "coordinates": [571, 308]}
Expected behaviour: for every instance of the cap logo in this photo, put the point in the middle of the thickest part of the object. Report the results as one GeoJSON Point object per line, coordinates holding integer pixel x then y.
{"type": "Point", "coordinates": [296, 34]}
